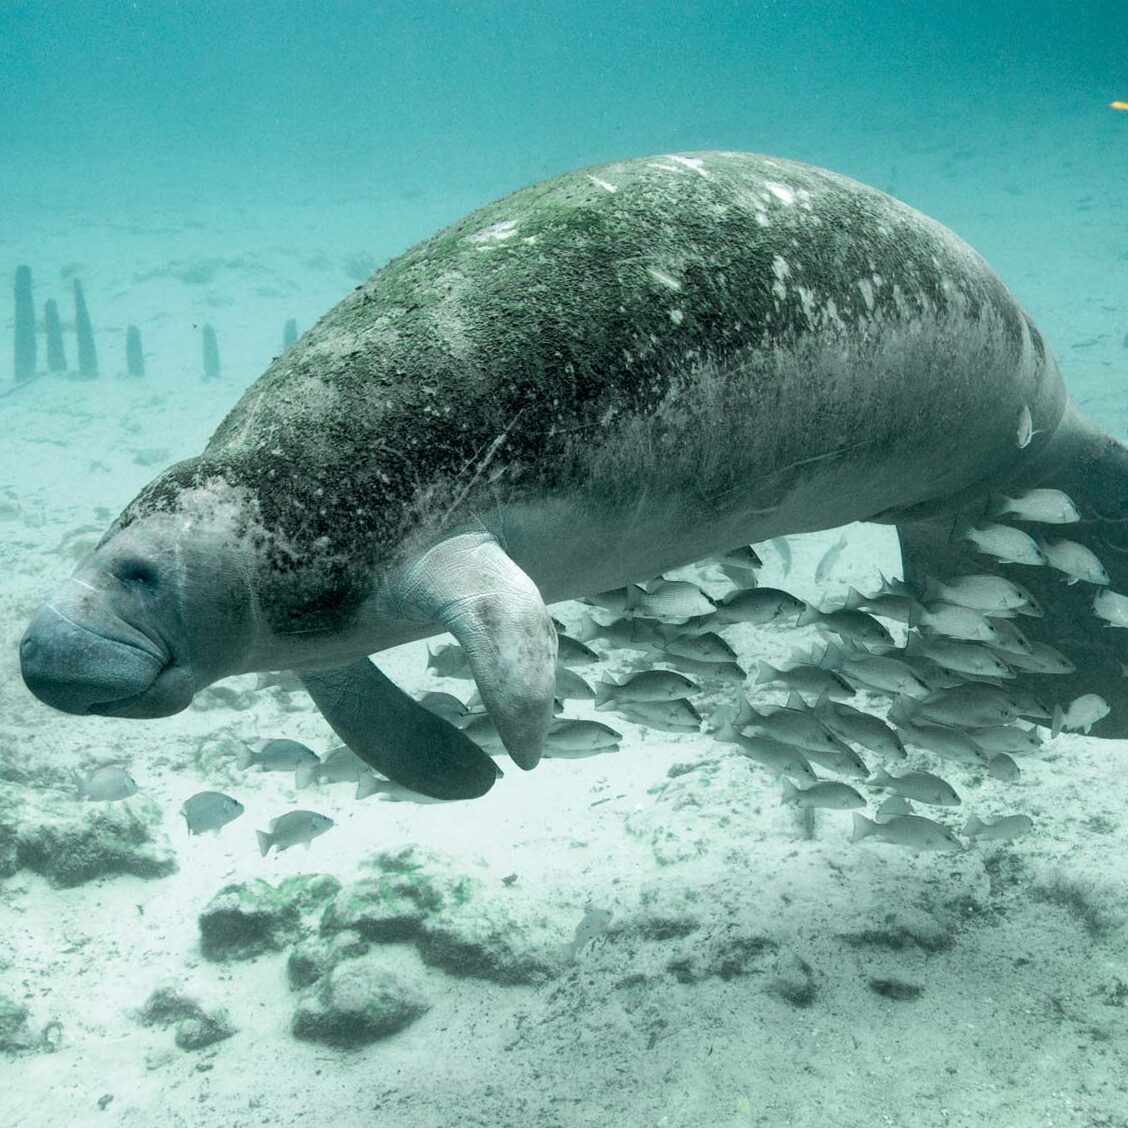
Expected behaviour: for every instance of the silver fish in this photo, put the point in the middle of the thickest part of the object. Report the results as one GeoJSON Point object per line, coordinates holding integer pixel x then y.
{"type": "Point", "coordinates": [708, 647]}
{"type": "Point", "coordinates": [793, 726]}
{"type": "Point", "coordinates": [759, 606]}
{"type": "Point", "coordinates": [104, 785]}
{"type": "Point", "coordinates": [650, 685]}
{"type": "Point", "coordinates": [849, 624]}
{"type": "Point", "coordinates": [573, 738]}
{"type": "Point", "coordinates": [670, 716]}
{"type": "Point", "coordinates": [1001, 830]}
{"type": "Point", "coordinates": [479, 727]}
{"type": "Point", "coordinates": [634, 634]}
{"type": "Point", "coordinates": [1009, 638]}
{"type": "Point", "coordinates": [1111, 606]}
{"type": "Point", "coordinates": [670, 601]}
{"type": "Point", "coordinates": [571, 652]}
{"type": "Point", "coordinates": [1075, 561]}
{"type": "Point", "coordinates": [828, 560]}
{"type": "Point", "coordinates": [886, 604]}
{"type": "Point", "coordinates": [593, 924]}
{"type": "Point", "coordinates": [814, 680]}
{"type": "Point", "coordinates": [614, 601]}
{"type": "Point", "coordinates": [883, 672]}
{"type": "Point", "coordinates": [924, 787]}
{"type": "Point", "coordinates": [1006, 544]}
{"type": "Point", "coordinates": [1007, 738]}
{"type": "Point", "coordinates": [1080, 715]}
{"type": "Point", "coordinates": [860, 727]}
{"type": "Point", "coordinates": [913, 831]}
{"type": "Point", "coordinates": [744, 557]}
{"type": "Point", "coordinates": [448, 660]}
{"type": "Point", "coordinates": [955, 621]}
{"type": "Point", "coordinates": [291, 828]}
{"type": "Point", "coordinates": [963, 657]}
{"type": "Point", "coordinates": [444, 705]}
{"type": "Point", "coordinates": [968, 705]}
{"type": "Point", "coordinates": [892, 807]}
{"type": "Point", "coordinates": [947, 743]}
{"type": "Point", "coordinates": [342, 765]}
{"type": "Point", "coordinates": [984, 592]}
{"type": "Point", "coordinates": [828, 794]}
{"type": "Point", "coordinates": [1042, 658]}
{"type": "Point", "coordinates": [1050, 507]}
{"type": "Point", "coordinates": [778, 757]}
{"type": "Point", "coordinates": [1003, 767]}
{"type": "Point", "coordinates": [571, 687]}
{"type": "Point", "coordinates": [274, 755]}
{"type": "Point", "coordinates": [210, 810]}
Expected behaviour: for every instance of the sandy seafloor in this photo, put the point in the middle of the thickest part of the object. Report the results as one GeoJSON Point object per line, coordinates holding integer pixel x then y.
{"type": "Point", "coordinates": [1020, 950]}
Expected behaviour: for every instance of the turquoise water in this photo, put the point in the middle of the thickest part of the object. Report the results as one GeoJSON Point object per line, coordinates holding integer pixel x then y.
{"type": "Point", "coordinates": [651, 939]}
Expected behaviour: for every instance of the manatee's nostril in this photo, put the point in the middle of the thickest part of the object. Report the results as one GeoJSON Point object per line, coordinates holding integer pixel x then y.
{"type": "Point", "coordinates": [28, 648]}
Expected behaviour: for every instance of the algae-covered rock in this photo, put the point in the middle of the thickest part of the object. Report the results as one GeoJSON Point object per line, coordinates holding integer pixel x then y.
{"type": "Point", "coordinates": [10, 812]}
{"type": "Point", "coordinates": [357, 1002]}
{"type": "Point", "coordinates": [71, 842]}
{"type": "Point", "coordinates": [203, 1030]}
{"type": "Point", "coordinates": [246, 919]}
{"type": "Point", "coordinates": [486, 941]}
{"type": "Point", "coordinates": [197, 1025]}
{"type": "Point", "coordinates": [310, 959]}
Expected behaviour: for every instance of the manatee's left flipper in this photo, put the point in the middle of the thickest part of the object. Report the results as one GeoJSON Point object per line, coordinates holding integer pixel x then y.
{"type": "Point", "coordinates": [469, 585]}
{"type": "Point", "coordinates": [398, 737]}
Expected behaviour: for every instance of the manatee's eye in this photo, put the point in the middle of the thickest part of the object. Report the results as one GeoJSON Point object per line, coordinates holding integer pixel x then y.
{"type": "Point", "coordinates": [137, 574]}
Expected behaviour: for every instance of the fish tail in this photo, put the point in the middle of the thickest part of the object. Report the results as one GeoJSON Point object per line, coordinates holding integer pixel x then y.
{"type": "Point", "coordinates": [863, 828]}
{"type": "Point", "coordinates": [854, 599]}
{"type": "Point", "coordinates": [305, 774]}
{"type": "Point", "coordinates": [366, 785]}
{"type": "Point", "coordinates": [789, 793]}
{"type": "Point", "coordinates": [265, 841]}
{"type": "Point", "coordinates": [244, 757]}
{"type": "Point", "coordinates": [604, 694]}
{"type": "Point", "coordinates": [745, 714]}
{"type": "Point", "coordinates": [809, 614]}
{"type": "Point", "coordinates": [973, 826]}
{"type": "Point", "coordinates": [1058, 721]}
{"type": "Point", "coordinates": [765, 673]}
{"type": "Point", "coordinates": [901, 710]}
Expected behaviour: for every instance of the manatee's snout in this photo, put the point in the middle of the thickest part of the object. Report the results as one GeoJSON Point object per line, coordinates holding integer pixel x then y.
{"type": "Point", "coordinates": [112, 670]}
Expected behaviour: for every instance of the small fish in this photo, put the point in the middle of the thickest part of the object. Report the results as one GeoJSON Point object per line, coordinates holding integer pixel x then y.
{"type": "Point", "coordinates": [1025, 431]}
{"type": "Point", "coordinates": [947, 743]}
{"type": "Point", "coordinates": [924, 787]}
{"type": "Point", "coordinates": [963, 657]}
{"type": "Point", "coordinates": [793, 726]}
{"type": "Point", "coordinates": [1075, 561]}
{"type": "Point", "coordinates": [1024, 703]}
{"type": "Point", "coordinates": [210, 810]}
{"type": "Point", "coordinates": [571, 687]}
{"type": "Point", "coordinates": [614, 601]}
{"type": "Point", "coordinates": [670, 716]}
{"type": "Point", "coordinates": [634, 634]}
{"type": "Point", "coordinates": [724, 673]}
{"type": "Point", "coordinates": [783, 551]}
{"type": "Point", "coordinates": [104, 785]}
{"type": "Point", "coordinates": [1009, 638]}
{"type": "Point", "coordinates": [984, 592]}
{"type": "Point", "coordinates": [1111, 606]}
{"type": "Point", "coordinates": [759, 606]}
{"type": "Point", "coordinates": [743, 557]}
{"type": "Point", "coordinates": [883, 672]}
{"type": "Point", "coordinates": [1001, 830]}
{"type": "Point", "coordinates": [571, 652]}
{"type": "Point", "coordinates": [1080, 715]}
{"type": "Point", "coordinates": [708, 647]}
{"type": "Point", "coordinates": [282, 679]}
{"type": "Point", "coordinates": [968, 705]}
{"type": "Point", "coordinates": [829, 559]}
{"type": "Point", "coordinates": [479, 727]}
{"type": "Point", "coordinates": [291, 828]}
{"type": "Point", "coordinates": [444, 705]}
{"type": "Point", "coordinates": [892, 807]}
{"type": "Point", "coordinates": [670, 601]}
{"type": "Point", "coordinates": [1003, 767]}
{"type": "Point", "coordinates": [913, 831]}
{"type": "Point", "coordinates": [1007, 738]}
{"type": "Point", "coordinates": [650, 685]}
{"type": "Point", "coordinates": [448, 660]}
{"type": "Point", "coordinates": [828, 794]}
{"type": "Point", "coordinates": [275, 755]}
{"type": "Point", "coordinates": [954, 621]}
{"type": "Point", "coordinates": [391, 792]}
{"type": "Point", "coordinates": [860, 727]}
{"type": "Point", "coordinates": [342, 765]}
{"type": "Point", "coordinates": [777, 756]}
{"type": "Point", "coordinates": [814, 680]}
{"type": "Point", "coordinates": [1041, 659]}
{"type": "Point", "coordinates": [593, 924]}
{"type": "Point", "coordinates": [569, 739]}
{"type": "Point", "coordinates": [1008, 545]}
{"type": "Point", "coordinates": [1049, 507]}
{"type": "Point", "coordinates": [886, 604]}
{"type": "Point", "coordinates": [848, 624]}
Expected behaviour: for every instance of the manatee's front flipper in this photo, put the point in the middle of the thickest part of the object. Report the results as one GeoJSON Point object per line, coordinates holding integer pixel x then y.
{"type": "Point", "coordinates": [469, 585]}
{"type": "Point", "coordinates": [1092, 468]}
{"type": "Point", "coordinates": [397, 736]}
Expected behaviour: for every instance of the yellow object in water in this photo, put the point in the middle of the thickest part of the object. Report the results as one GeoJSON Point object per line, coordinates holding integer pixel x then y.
{"type": "Point", "coordinates": [1118, 105]}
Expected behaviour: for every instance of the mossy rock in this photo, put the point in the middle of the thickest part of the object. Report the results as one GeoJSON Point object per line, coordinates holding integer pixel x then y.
{"type": "Point", "coordinates": [310, 959]}
{"type": "Point", "coordinates": [14, 1033]}
{"type": "Point", "coordinates": [359, 1001]}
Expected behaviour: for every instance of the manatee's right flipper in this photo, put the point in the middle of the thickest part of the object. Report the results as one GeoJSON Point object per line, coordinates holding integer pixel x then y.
{"type": "Point", "coordinates": [398, 737]}
{"type": "Point", "coordinates": [1092, 468]}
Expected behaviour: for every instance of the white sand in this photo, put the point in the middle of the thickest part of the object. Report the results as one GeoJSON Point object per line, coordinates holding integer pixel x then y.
{"type": "Point", "coordinates": [1020, 1020]}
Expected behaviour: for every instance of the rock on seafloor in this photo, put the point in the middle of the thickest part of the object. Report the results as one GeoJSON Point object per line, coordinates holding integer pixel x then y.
{"type": "Point", "coordinates": [197, 1024]}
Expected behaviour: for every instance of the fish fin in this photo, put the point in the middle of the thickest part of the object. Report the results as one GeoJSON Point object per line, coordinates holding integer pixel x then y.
{"type": "Point", "coordinates": [796, 701]}
{"type": "Point", "coordinates": [765, 673]}
{"type": "Point", "coordinates": [902, 709]}
{"type": "Point", "coordinates": [604, 694]}
{"type": "Point", "coordinates": [244, 756]}
{"type": "Point", "coordinates": [973, 826]}
{"type": "Point", "coordinates": [863, 828]}
{"type": "Point", "coordinates": [265, 841]}
{"type": "Point", "coordinates": [789, 793]}
{"type": "Point", "coordinates": [1058, 721]}
{"type": "Point", "coordinates": [822, 703]}
{"type": "Point", "coordinates": [471, 587]}
{"type": "Point", "coordinates": [368, 784]}
{"type": "Point", "coordinates": [809, 614]}
{"type": "Point", "coordinates": [854, 599]}
{"type": "Point", "coordinates": [745, 714]}
{"type": "Point", "coordinates": [304, 775]}
{"type": "Point", "coordinates": [880, 778]}
{"type": "Point", "coordinates": [394, 734]}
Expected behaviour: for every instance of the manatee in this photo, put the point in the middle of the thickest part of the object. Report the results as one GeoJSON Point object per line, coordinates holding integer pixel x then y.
{"type": "Point", "coordinates": [594, 380]}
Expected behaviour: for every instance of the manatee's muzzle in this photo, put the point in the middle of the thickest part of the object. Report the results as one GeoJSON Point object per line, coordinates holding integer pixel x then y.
{"type": "Point", "coordinates": [77, 669]}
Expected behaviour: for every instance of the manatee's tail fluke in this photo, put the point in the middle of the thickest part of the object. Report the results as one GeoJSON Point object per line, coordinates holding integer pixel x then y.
{"type": "Point", "coordinates": [1092, 468]}
{"type": "Point", "coordinates": [469, 585]}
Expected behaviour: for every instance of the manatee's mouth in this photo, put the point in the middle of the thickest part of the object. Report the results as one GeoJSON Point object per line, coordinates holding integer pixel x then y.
{"type": "Point", "coordinates": [114, 671]}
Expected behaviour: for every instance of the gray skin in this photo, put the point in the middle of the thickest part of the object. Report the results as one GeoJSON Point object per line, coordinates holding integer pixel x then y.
{"type": "Point", "coordinates": [594, 380]}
